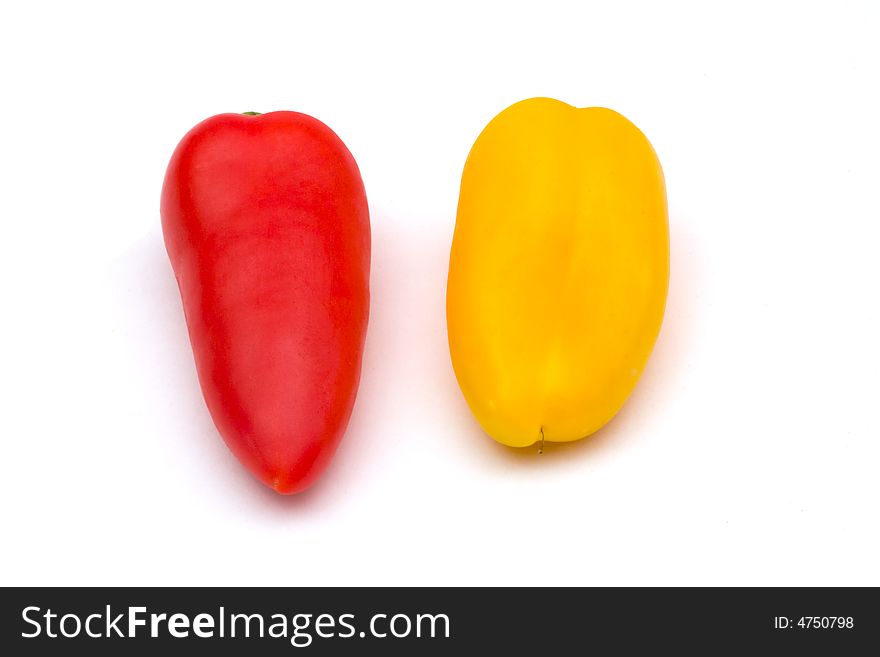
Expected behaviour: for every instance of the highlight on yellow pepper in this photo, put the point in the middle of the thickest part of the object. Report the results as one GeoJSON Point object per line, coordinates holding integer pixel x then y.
{"type": "Point", "coordinates": [558, 271]}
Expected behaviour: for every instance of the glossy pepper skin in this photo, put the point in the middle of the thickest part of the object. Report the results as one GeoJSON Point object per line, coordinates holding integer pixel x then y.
{"type": "Point", "coordinates": [558, 272]}
{"type": "Point", "coordinates": [267, 228]}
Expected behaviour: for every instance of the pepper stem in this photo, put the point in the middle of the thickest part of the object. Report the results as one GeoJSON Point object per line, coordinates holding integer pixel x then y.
{"type": "Point", "coordinates": [251, 113]}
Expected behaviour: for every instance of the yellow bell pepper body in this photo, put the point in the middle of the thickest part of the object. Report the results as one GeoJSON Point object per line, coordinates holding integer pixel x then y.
{"type": "Point", "coordinates": [558, 272]}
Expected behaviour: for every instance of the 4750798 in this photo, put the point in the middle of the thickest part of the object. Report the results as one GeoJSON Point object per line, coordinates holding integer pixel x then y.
{"type": "Point", "coordinates": [813, 623]}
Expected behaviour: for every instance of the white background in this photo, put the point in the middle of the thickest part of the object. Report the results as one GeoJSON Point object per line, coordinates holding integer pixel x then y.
{"type": "Point", "coordinates": [750, 451]}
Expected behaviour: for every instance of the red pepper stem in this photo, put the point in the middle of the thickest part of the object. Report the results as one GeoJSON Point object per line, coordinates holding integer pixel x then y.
{"type": "Point", "coordinates": [251, 113]}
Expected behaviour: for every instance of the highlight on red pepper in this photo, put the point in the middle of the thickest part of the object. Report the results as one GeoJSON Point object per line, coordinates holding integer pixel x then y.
{"type": "Point", "coordinates": [266, 224]}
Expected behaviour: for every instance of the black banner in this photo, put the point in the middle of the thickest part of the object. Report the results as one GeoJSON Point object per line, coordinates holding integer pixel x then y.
{"type": "Point", "coordinates": [414, 621]}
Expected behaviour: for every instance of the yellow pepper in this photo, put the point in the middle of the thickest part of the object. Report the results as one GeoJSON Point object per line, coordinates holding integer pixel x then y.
{"type": "Point", "coordinates": [558, 272]}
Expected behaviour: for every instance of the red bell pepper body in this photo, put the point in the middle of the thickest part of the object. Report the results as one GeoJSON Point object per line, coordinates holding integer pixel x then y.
{"type": "Point", "coordinates": [267, 228]}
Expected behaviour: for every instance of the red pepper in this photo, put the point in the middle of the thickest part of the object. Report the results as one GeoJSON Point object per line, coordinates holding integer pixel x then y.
{"type": "Point", "coordinates": [268, 231]}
